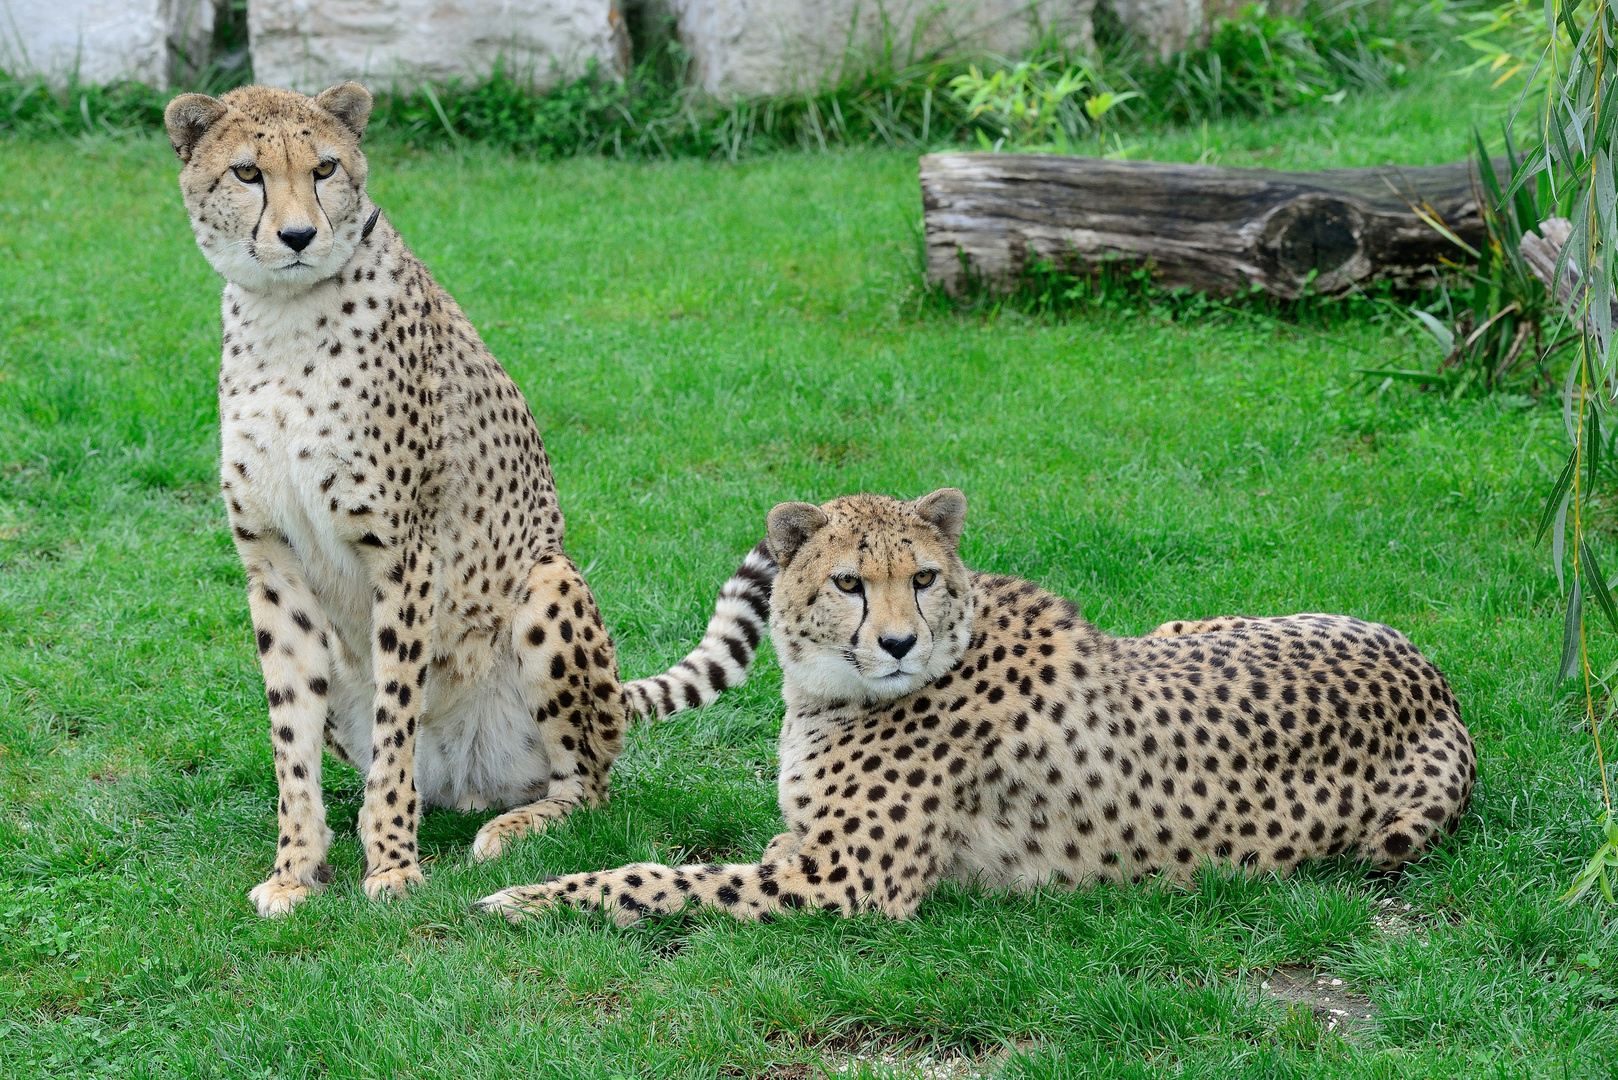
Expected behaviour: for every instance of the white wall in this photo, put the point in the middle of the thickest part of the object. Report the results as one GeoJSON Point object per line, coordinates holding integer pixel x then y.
{"type": "Point", "coordinates": [747, 48]}
{"type": "Point", "coordinates": [104, 40]}
{"type": "Point", "coordinates": [309, 45]}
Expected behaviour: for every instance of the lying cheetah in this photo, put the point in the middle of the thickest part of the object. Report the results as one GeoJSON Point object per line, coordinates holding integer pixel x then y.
{"type": "Point", "coordinates": [946, 724]}
{"type": "Point", "coordinates": [394, 509]}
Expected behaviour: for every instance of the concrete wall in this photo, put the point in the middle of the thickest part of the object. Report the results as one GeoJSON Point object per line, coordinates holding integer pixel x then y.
{"type": "Point", "coordinates": [103, 41]}
{"type": "Point", "coordinates": [1168, 25]}
{"type": "Point", "coordinates": [748, 48]}
{"type": "Point", "coordinates": [309, 45]}
{"type": "Point", "coordinates": [739, 48]}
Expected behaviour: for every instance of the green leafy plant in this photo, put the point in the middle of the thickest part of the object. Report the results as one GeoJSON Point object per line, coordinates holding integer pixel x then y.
{"type": "Point", "coordinates": [1260, 61]}
{"type": "Point", "coordinates": [1032, 107]}
{"type": "Point", "coordinates": [1601, 869]}
{"type": "Point", "coordinates": [1515, 39]}
{"type": "Point", "coordinates": [1574, 158]}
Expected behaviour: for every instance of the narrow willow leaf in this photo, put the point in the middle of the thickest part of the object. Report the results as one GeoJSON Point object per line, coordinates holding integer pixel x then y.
{"type": "Point", "coordinates": [1592, 448]}
{"type": "Point", "coordinates": [1558, 498]}
{"type": "Point", "coordinates": [1578, 237]}
{"type": "Point", "coordinates": [1558, 538]}
{"type": "Point", "coordinates": [1600, 318]}
{"type": "Point", "coordinates": [1589, 571]}
{"type": "Point", "coordinates": [1486, 173]}
{"type": "Point", "coordinates": [1570, 388]}
{"type": "Point", "coordinates": [1440, 333]}
{"type": "Point", "coordinates": [1606, 200]}
{"type": "Point", "coordinates": [1570, 633]}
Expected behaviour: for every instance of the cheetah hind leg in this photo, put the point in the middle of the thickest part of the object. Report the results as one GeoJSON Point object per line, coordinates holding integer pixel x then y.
{"type": "Point", "coordinates": [570, 685]}
{"type": "Point", "coordinates": [1400, 838]}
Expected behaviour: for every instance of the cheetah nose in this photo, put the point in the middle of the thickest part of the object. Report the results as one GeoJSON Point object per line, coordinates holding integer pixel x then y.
{"type": "Point", "coordinates": [296, 239]}
{"type": "Point", "coordinates": [896, 647]}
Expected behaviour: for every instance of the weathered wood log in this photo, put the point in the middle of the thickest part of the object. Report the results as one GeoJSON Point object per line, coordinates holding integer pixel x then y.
{"type": "Point", "coordinates": [1202, 226]}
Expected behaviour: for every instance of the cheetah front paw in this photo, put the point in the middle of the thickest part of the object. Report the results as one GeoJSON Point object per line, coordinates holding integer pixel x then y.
{"type": "Point", "coordinates": [278, 896]}
{"type": "Point", "coordinates": [395, 881]}
{"type": "Point", "coordinates": [518, 903]}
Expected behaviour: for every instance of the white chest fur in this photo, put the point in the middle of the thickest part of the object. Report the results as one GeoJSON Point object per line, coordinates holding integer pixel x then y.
{"type": "Point", "coordinates": [293, 416]}
{"type": "Point", "coordinates": [292, 434]}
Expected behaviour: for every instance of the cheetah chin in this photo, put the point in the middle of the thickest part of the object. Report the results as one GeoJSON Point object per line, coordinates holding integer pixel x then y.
{"type": "Point", "coordinates": [391, 501]}
{"type": "Point", "coordinates": [1036, 749]}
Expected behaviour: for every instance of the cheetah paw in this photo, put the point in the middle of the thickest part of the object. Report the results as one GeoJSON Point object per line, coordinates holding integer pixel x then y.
{"type": "Point", "coordinates": [394, 882]}
{"type": "Point", "coordinates": [491, 841]}
{"type": "Point", "coordinates": [277, 897]}
{"type": "Point", "coordinates": [519, 903]}
{"type": "Point", "coordinates": [498, 834]}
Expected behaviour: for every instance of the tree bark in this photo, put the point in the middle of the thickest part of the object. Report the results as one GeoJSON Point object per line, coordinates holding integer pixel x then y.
{"type": "Point", "coordinates": [1200, 226]}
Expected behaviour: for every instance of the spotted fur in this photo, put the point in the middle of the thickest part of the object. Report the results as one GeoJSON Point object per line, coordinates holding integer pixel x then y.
{"type": "Point", "coordinates": [943, 724]}
{"type": "Point", "coordinates": [392, 503]}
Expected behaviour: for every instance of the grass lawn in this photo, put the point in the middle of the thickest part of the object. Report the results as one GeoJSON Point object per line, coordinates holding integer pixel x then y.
{"type": "Point", "coordinates": [699, 342]}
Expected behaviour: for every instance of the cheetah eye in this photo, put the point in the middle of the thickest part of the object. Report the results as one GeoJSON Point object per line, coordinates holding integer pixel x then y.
{"type": "Point", "coordinates": [849, 583]}
{"type": "Point", "coordinates": [925, 578]}
{"type": "Point", "coordinates": [247, 174]}
{"type": "Point", "coordinates": [325, 169]}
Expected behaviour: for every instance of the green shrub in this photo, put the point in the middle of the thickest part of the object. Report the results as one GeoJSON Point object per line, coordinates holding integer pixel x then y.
{"type": "Point", "coordinates": [1258, 62]}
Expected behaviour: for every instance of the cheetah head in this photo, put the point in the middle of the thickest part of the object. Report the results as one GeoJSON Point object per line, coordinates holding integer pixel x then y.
{"type": "Point", "coordinates": [274, 181]}
{"type": "Point", "coordinates": [872, 601]}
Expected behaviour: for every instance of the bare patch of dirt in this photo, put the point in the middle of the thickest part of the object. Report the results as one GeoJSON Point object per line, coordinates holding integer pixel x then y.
{"type": "Point", "coordinates": [1396, 917]}
{"type": "Point", "coordinates": [1337, 1007]}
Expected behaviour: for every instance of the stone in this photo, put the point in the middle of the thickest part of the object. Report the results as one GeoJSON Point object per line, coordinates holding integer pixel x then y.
{"type": "Point", "coordinates": [308, 45]}
{"type": "Point", "coordinates": [754, 48]}
{"type": "Point", "coordinates": [105, 41]}
{"type": "Point", "coordinates": [1166, 25]}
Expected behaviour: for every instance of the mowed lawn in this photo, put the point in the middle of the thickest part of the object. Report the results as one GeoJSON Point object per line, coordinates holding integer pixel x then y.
{"type": "Point", "coordinates": [699, 342]}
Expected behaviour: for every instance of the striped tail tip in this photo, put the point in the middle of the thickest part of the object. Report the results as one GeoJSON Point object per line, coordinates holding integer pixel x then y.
{"type": "Point", "coordinates": [721, 659]}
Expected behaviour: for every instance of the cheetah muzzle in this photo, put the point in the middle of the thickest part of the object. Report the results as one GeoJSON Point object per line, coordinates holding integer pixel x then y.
{"type": "Point", "coordinates": [1021, 746]}
{"type": "Point", "coordinates": [391, 501]}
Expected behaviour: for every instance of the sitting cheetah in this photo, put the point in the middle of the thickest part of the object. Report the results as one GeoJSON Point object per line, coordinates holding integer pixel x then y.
{"type": "Point", "coordinates": [946, 724]}
{"type": "Point", "coordinates": [393, 506]}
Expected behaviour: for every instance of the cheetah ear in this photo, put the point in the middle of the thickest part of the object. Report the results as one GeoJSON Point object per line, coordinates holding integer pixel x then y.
{"type": "Point", "coordinates": [790, 526]}
{"type": "Point", "coordinates": [350, 103]}
{"type": "Point", "coordinates": [188, 118]}
{"type": "Point", "coordinates": [944, 510]}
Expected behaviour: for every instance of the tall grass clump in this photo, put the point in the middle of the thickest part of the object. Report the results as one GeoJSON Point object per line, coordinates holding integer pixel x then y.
{"type": "Point", "coordinates": [1494, 322]}
{"type": "Point", "coordinates": [650, 113]}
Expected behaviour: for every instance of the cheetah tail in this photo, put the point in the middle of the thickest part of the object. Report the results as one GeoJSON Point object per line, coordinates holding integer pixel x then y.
{"type": "Point", "coordinates": [720, 661]}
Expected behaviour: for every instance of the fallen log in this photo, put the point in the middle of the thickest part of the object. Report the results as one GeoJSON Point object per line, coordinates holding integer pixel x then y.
{"type": "Point", "coordinates": [1209, 228]}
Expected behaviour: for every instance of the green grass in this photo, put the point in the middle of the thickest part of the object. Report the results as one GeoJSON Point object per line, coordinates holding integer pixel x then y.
{"type": "Point", "coordinates": [699, 342]}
